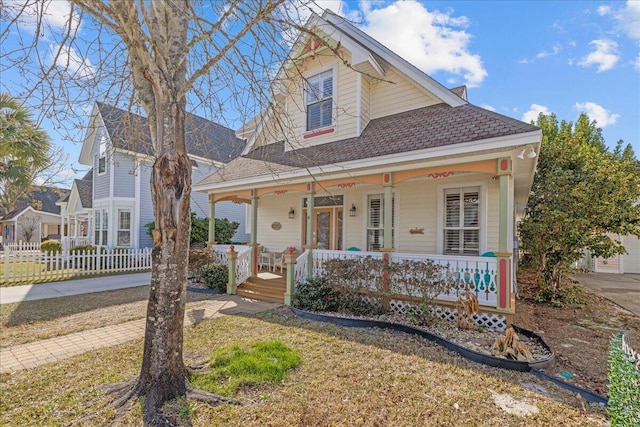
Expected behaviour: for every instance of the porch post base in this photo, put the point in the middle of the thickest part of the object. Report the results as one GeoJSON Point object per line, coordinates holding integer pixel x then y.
{"type": "Point", "coordinates": [254, 258]}
{"type": "Point", "coordinates": [504, 282]}
{"type": "Point", "coordinates": [232, 258]}
{"type": "Point", "coordinates": [290, 261]}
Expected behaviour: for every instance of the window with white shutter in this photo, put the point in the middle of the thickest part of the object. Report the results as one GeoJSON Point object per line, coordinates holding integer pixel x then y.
{"type": "Point", "coordinates": [319, 100]}
{"type": "Point", "coordinates": [375, 222]}
{"type": "Point", "coordinates": [461, 224]}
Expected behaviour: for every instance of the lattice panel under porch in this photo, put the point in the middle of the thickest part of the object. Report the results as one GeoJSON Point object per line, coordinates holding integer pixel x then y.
{"type": "Point", "coordinates": [492, 321]}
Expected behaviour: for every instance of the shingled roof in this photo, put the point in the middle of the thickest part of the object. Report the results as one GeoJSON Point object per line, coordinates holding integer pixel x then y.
{"type": "Point", "coordinates": [205, 138]}
{"type": "Point", "coordinates": [41, 199]}
{"type": "Point", "coordinates": [429, 127]}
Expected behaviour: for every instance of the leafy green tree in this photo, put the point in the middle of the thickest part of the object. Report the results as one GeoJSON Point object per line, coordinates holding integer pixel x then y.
{"type": "Point", "coordinates": [581, 191]}
{"type": "Point", "coordinates": [225, 229]}
{"type": "Point", "coordinates": [24, 150]}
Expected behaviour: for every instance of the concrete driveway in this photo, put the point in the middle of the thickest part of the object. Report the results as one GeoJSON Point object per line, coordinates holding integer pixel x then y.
{"type": "Point", "coordinates": [623, 289]}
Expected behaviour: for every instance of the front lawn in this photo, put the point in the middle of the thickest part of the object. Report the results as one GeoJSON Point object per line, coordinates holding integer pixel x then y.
{"type": "Point", "coordinates": [348, 377]}
{"type": "Point", "coordinates": [30, 272]}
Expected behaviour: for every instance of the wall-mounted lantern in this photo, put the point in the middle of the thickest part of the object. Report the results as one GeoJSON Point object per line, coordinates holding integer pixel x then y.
{"type": "Point", "coordinates": [353, 211]}
{"type": "Point", "coordinates": [292, 213]}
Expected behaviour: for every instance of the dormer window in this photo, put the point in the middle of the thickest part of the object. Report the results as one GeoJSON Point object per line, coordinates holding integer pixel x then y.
{"type": "Point", "coordinates": [319, 100]}
{"type": "Point", "coordinates": [102, 158]}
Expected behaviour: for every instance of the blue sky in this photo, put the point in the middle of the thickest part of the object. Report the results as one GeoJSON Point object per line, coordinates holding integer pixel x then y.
{"type": "Point", "coordinates": [517, 58]}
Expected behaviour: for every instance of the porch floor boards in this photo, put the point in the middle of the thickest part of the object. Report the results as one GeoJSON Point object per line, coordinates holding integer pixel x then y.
{"type": "Point", "coordinates": [266, 286]}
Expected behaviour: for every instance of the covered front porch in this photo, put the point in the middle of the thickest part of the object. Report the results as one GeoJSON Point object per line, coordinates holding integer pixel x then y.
{"type": "Point", "coordinates": [460, 216]}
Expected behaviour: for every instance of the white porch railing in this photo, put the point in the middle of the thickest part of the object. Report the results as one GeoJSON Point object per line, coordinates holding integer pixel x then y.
{"type": "Point", "coordinates": [72, 242]}
{"type": "Point", "coordinates": [34, 267]}
{"type": "Point", "coordinates": [243, 265]}
{"type": "Point", "coordinates": [300, 272]}
{"type": "Point", "coordinates": [477, 274]}
{"type": "Point", "coordinates": [220, 252]}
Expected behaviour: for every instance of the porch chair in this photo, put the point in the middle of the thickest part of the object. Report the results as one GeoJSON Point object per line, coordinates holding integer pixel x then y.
{"type": "Point", "coordinates": [265, 257]}
{"type": "Point", "coordinates": [278, 260]}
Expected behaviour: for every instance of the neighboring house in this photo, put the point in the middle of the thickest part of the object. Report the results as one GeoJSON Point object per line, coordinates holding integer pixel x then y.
{"type": "Point", "coordinates": [385, 157]}
{"type": "Point", "coordinates": [111, 205]}
{"type": "Point", "coordinates": [626, 263]}
{"type": "Point", "coordinates": [34, 217]}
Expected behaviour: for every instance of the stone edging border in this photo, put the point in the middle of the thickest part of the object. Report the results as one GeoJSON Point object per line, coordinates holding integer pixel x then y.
{"type": "Point", "coordinates": [514, 365]}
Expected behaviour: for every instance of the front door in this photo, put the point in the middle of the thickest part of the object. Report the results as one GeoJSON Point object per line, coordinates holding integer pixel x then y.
{"type": "Point", "coordinates": [328, 228]}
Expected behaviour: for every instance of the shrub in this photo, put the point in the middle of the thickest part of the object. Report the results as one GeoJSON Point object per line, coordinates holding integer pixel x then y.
{"type": "Point", "coordinates": [89, 249]}
{"type": "Point", "coordinates": [214, 276]}
{"type": "Point", "coordinates": [316, 295]}
{"type": "Point", "coordinates": [224, 229]}
{"type": "Point", "coordinates": [624, 386]}
{"type": "Point", "coordinates": [199, 258]}
{"type": "Point", "coordinates": [51, 247]}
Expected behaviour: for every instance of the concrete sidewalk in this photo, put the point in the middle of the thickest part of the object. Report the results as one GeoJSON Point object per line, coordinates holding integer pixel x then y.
{"type": "Point", "coordinates": [73, 287]}
{"type": "Point", "coordinates": [622, 289]}
{"type": "Point", "coordinates": [25, 356]}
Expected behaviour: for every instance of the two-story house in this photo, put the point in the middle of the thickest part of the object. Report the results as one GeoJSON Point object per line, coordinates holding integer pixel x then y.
{"type": "Point", "coordinates": [112, 203]}
{"type": "Point", "coordinates": [362, 151]}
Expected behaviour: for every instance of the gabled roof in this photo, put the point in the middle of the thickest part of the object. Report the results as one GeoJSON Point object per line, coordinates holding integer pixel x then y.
{"type": "Point", "coordinates": [205, 138]}
{"type": "Point", "coordinates": [44, 198]}
{"type": "Point", "coordinates": [429, 127]}
{"type": "Point", "coordinates": [378, 49]}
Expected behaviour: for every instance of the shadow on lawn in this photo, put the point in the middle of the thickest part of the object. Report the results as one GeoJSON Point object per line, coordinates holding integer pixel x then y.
{"type": "Point", "coordinates": [25, 312]}
{"type": "Point", "coordinates": [423, 348]}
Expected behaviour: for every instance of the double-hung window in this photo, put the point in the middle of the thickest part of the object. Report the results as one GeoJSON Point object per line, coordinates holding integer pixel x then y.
{"type": "Point", "coordinates": [375, 223]}
{"type": "Point", "coordinates": [319, 100]}
{"type": "Point", "coordinates": [462, 224]}
{"type": "Point", "coordinates": [101, 227]}
{"type": "Point", "coordinates": [124, 227]}
{"type": "Point", "coordinates": [102, 157]}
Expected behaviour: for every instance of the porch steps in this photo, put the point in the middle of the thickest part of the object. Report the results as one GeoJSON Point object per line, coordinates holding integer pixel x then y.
{"type": "Point", "coordinates": [263, 289]}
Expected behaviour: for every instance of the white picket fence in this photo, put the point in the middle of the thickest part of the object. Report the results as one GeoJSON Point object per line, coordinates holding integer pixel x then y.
{"type": "Point", "coordinates": [34, 266]}
{"type": "Point", "coordinates": [22, 246]}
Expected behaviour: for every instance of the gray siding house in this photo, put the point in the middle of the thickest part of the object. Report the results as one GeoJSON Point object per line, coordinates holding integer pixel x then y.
{"type": "Point", "coordinates": [117, 147]}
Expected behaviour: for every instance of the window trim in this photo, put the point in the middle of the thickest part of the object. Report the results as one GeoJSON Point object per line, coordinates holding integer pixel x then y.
{"type": "Point", "coordinates": [365, 216]}
{"type": "Point", "coordinates": [118, 230]}
{"type": "Point", "coordinates": [102, 155]}
{"type": "Point", "coordinates": [483, 194]}
{"type": "Point", "coordinates": [100, 215]}
{"type": "Point", "coordinates": [317, 72]}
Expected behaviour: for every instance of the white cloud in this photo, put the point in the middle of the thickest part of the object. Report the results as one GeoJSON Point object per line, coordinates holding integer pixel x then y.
{"type": "Point", "coordinates": [604, 10]}
{"type": "Point", "coordinates": [68, 59]}
{"type": "Point", "coordinates": [488, 107]}
{"type": "Point", "coordinates": [554, 51]}
{"type": "Point", "coordinates": [54, 16]}
{"type": "Point", "coordinates": [605, 55]}
{"type": "Point", "coordinates": [534, 112]}
{"type": "Point", "coordinates": [596, 112]}
{"type": "Point", "coordinates": [636, 63]}
{"type": "Point", "coordinates": [432, 41]}
{"type": "Point", "coordinates": [628, 19]}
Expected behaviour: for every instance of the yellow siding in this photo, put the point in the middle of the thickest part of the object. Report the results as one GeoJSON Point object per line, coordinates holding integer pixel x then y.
{"type": "Point", "coordinates": [275, 209]}
{"type": "Point", "coordinates": [365, 103]}
{"type": "Point", "coordinates": [416, 207]}
{"type": "Point", "coordinates": [398, 96]}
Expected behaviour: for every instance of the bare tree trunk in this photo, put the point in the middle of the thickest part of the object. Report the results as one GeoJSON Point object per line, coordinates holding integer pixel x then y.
{"type": "Point", "coordinates": [163, 374]}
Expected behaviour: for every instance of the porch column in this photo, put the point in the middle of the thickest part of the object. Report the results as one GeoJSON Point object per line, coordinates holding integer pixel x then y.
{"type": "Point", "coordinates": [503, 255]}
{"type": "Point", "coordinates": [75, 226]}
{"type": "Point", "coordinates": [232, 258]}
{"type": "Point", "coordinates": [290, 261]}
{"type": "Point", "coordinates": [254, 232]}
{"type": "Point", "coordinates": [212, 221]}
{"type": "Point", "coordinates": [310, 246]}
{"type": "Point", "coordinates": [387, 234]}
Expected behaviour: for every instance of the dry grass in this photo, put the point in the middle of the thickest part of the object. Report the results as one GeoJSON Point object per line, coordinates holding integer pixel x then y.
{"type": "Point", "coordinates": [348, 377]}
{"type": "Point", "coordinates": [29, 321]}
